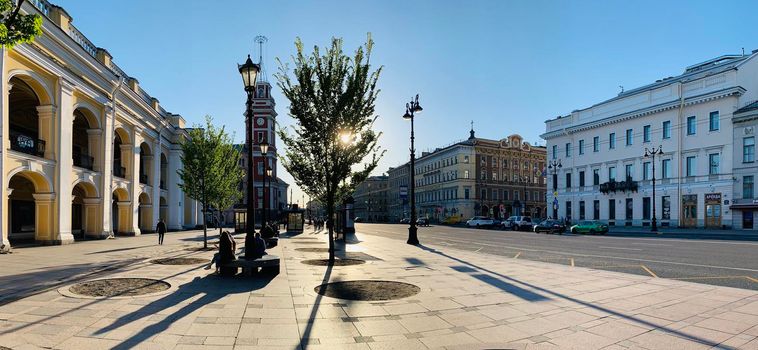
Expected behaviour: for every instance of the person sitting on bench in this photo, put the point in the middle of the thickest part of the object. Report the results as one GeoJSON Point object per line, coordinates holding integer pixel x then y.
{"type": "Point", "coordinates": [260, 246]}
{"type": "Point", "coordinates": [226, 252]}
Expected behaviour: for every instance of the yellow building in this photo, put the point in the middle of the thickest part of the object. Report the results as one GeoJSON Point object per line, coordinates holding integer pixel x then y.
{"type": "Point", "coordinates": [86, 152]}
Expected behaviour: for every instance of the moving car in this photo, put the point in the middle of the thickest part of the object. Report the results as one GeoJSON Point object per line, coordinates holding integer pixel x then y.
{"type": "Point", "coordinates": [405, 221]}
{"type": "Point", "coordinates": [591, 227]}
{"type": "Point", "coordinates": [518, 223]}
{"type": "Point", "coordinates": [480, 221]}
{"type": "Point", "coordinates": [358, 219]}
{"type": "Point", "coordinates": [550, 226]}
{"type": "Point", "coordinates": [422, 222]}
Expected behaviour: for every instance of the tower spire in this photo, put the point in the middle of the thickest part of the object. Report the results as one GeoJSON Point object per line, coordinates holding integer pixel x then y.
{"type": "Point", "coordinates": [471, 136]}
{"type": "Point", "coordinates": [260, 40]}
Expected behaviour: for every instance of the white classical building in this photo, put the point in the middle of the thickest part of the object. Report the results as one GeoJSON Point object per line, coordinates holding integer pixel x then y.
{"type": "Point", "coordinates": [604, 175]}
{"type": "Point", "coordinates": [86, 152]}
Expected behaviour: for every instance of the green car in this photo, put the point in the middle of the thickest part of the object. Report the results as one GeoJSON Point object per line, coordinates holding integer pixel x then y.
{"type": "Point", "coordinates": [591, 227]}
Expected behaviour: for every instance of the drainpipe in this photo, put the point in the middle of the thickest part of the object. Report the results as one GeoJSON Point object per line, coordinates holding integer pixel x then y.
{"type": "Point", "coordinates": [679, 153]}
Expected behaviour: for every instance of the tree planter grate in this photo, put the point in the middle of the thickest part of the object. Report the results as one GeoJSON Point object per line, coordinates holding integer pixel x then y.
{"type": "Point", "coordinates": [119, 287]}
{"type": "Point", "coordinates": [337, 262]}
{"type": "Point", "coordinates": [180, 261]}
{"type": "Point", "coordinates": [367, 290]}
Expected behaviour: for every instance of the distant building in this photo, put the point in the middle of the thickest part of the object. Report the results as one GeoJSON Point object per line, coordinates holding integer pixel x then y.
{"type": "Point", "coordinates": [398, 181]}
{"type": "Point", "coordinates": [371, 199]}
{"type": "Point", "coordinates": [476, 176]}
{"type": "Point", "coordinates": [694, 116]}
{"type": "Point", "coordinates": [745, 202]}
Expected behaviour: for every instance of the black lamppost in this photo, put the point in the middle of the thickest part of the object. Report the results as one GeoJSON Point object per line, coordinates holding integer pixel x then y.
{"type": "Point", "coordinates": [554, 165]}
{"type": "Point", "coordinates": [264, 152]}
{"type": "Point", "coordinates": [269, 175]}
{"type": "Point", "coordinates": [651, 153]}
{"type": "Point", "coordinates": [249, 72]}
{"type": "Point", "coordinates": [411, 108]}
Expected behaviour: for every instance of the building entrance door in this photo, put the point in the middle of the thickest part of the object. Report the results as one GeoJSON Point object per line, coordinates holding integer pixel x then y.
{"type": "Point", "coordinates": [713, 210]}
{"type": "Point", "coordinates": [689, 210]}
{"type": "Point", "coordinates": [747, 219]}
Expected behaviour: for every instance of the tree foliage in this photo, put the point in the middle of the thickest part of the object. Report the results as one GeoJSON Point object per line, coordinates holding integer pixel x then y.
{"type": "Point", "coordinates": [210, 172]}
{"type": "Point", "coordinates": [15, 27]}
{"type": "Point", "coordinates": [332, 146]}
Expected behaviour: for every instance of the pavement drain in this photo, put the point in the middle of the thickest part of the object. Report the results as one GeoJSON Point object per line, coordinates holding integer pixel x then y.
{"type": "Point", "coordinates": [337, 262]}
{"type": "Point", "coordinates": [367, 290]}
{"type": "Point", "coordinates": [119, 287]}
{"type": "Point", "coordinates": [179, 261]}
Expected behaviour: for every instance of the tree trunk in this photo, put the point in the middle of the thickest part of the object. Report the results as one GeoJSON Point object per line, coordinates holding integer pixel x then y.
{"type": "Point", "coordinates": [219, 224]}
{"type": "Point", "coordinates": [330, 218]}
{"type": "Point", "coordinates": [205, 227]}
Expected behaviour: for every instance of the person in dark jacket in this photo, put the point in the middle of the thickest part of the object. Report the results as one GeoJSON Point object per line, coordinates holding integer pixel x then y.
{"type": "Point", "coordinates": [161, 231]}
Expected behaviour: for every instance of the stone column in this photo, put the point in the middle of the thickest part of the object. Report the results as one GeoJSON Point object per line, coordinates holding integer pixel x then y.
{"type": "Point", "coordinates": [94, 137]}
{"type": "Point", "coordinates": [134, 167]}
{"type": "Point", "coordinates": [63, 176]}
{"type": "Point", "coordinates": [192, 204]}
{"type": "Point", "coordinates": [5, 88]}
{"type": "Point", "coordinates": [175, 196]}
{"type": "Point", "coordinates": [106, 147]}
{"type": "Point", "coordinates": [45, 220]}
{"type": "Point", "coordinates": [124, 218]}
{"type": "Point", "coordinates": [45, 116]}
{"type": "Point", "coordinates": [156, 183]}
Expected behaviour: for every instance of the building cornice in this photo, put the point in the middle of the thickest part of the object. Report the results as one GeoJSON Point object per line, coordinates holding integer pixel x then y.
{"type": "Point", "coordinates": [673, 104]}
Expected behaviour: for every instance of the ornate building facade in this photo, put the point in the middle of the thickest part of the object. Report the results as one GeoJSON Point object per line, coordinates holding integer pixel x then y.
{"type": "Point", "coordinates": [86, 152]}
{"type": "Point", "coordinates": [371, 198]}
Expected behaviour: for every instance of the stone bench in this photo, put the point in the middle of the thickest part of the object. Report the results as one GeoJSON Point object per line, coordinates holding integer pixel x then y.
{"type": "Point", "coordinates": [269, 264]}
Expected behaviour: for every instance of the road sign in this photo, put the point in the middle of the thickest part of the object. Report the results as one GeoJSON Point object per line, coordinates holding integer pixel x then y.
{"type": "Point", "coordinates": [403, 191]}
{"type": "Point", "coordinates": [555, 193]}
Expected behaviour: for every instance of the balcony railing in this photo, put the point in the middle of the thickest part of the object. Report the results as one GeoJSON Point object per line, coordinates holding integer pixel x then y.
{"type": "Point", "coordinates": [84, 161]}
{"type": "Point", "coordinates": [143, 178]}
{"type": "Point", "coordinates": [27, 144]}
{"type": "Point", "coordinates": [119, 171]}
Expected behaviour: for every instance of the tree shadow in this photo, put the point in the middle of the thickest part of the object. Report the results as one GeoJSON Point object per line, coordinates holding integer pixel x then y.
{"type": "Point", "coordinates": [120, 249]}
{"type": "Point", "coordinates": [312, 316]}
{"type": "Point", "coordinates": [211, 287]}
{"type": "Point", "coordinates": [415, 261]}
{"type": "Point", "coordinates": [475, 267]}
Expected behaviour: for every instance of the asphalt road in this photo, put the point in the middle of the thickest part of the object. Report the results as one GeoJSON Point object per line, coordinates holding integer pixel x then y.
{"type": "Point", "coordinates": [719, 262]}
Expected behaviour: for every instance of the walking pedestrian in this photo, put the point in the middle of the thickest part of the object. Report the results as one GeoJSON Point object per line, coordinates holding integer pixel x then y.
{"type": "Point", "coordinates": [161, 231]}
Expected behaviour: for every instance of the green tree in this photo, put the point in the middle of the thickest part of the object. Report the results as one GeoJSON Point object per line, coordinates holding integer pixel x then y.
{"type": "Point", "coordinates": [17, 28]}
{"type": "Point", "coordinates": [210, 174]}
{"type": "Point", "coordinates": [332, 146]}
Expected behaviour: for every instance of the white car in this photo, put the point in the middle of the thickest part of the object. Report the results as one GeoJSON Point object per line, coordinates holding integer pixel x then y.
{"type": "Point", "coordinates": [518, 223]}
{"type": "Point", "coordinates": [480, 221]}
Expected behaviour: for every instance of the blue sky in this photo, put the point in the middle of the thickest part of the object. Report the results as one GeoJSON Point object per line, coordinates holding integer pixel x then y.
{"type": "Point", "coordinates": [506, 65]}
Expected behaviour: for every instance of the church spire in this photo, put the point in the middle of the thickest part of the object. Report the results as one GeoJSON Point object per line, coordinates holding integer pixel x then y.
{"type": "Point", "coordinates": [260, 40]}
{"type": "Point", "coordinates": [471, 136]}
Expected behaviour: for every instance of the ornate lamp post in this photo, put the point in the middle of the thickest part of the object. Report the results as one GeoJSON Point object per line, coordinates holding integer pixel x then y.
{"type": "Point", "coordinates": [553, 166]}
{"type": "Point", "coordinates": [651, 153]}
{"type": "Point", "coordinates": [249, 72]}
{"type": "Point", "coordinates": [269, 175]}
{"type": "Point", "coordinates": [411, 108]}
{"type": "Point", "coordinates": [264, 151]}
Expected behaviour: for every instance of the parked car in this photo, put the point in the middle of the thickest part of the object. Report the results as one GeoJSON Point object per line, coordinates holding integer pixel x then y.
{"type": "Point", "coordinates": [358, 219]}
{"type": "Point", "coordinates": [480, 221]}
{"type": "Point", "coordinates": [405, 221]}
{"type": "Point", "coordinates": [591, 227]}
{"type": "Point", "coordinates": [518, 223]}
{"type": "Point", "coordinates": [422, 222]}
{"type": "Point", "coordinates": [550, 226]}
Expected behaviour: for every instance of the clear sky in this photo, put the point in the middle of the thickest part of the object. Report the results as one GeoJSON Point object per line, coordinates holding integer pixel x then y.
{"type": "Point", "coordinates": [506, 65]}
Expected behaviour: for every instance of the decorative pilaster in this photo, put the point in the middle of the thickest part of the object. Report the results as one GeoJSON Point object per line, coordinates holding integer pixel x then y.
{"type": "Point", "coordinates": [92, 218]}
{"type": "Point", "coordinates": [156, 183]}
{"type": "Point", "coordinates": [63, 148]}
{"type": "Point", "coordinates": [124, 218]}
{"type": "Point", "coordinates": [134, 177]}
{"type": "Point", "coordinates": [45, 117]}
{"type": "Point", "coordinates": [175, 195]}
{"type": "Point", "coordinates": [94, 137]}
{"type": "Point", "coordinates": [107, 168]}
{"type": "Point", "coordinates": [5, 88]}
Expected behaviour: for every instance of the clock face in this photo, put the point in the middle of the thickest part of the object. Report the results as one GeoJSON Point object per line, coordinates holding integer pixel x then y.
{"type": "Point", "coordinates": [260, 121]}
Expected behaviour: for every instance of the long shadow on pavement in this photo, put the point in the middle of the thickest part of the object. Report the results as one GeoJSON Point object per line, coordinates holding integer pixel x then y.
{"type": "Point", "coordinates": [574, 300]}
{"type": "Point", "coordinates": [502, 285]}
{"type": "Point", "coordinates": [211, 287]}
{"type": "Point", "coordinates": [312, 317]}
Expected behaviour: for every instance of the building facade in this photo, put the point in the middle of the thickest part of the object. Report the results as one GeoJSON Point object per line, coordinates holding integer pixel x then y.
{"type": "Point", "coordinates": [371, 198]}
{"type": "Point", "coordinates": [604, 175]}
{"type": "Point", "coordinates": [745, 202]}
{"type": "Point", "coordinates": [86, 152]}
{"type": "Point", "coordinates": [397, 192]}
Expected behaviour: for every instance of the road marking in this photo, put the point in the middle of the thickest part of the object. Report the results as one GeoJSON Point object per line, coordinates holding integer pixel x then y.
{"type": "Point", "coordinates": [649, 271]}
{"type": "Point", "coordinates": [652, 244]}
{"type": "Point", "coordinates": [572, 262]}
{"type": "Point", "coordinates": [752, 279]}
{"type": "Point", "coordinates": [620, 248]}
{"type": "Point", "coordinates": [477, 251]}
{"type": "Point", "coordinates": [517, 255]}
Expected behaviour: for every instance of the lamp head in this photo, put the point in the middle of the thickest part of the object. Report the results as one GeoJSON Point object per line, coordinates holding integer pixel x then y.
{"type": "Point", "coordinates": [249, 72]}
{"type": "Point", "coordinates": [264, 147]}
{"type": "Point", "coordinates": [407, 115]}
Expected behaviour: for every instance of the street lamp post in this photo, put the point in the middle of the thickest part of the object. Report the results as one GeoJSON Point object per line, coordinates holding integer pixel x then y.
{"type": "Point", "coordinates": [249, 72]}
{"type": "Point", "coordinates": [269, 175]}
{"type": "Point", "coordinates": [411, 108]}
{"type": "Point", "coordinates": [651, 153]}
{"type": "Point", "coordinates": [264, 151]}
{"type": "Point", "coordinates": [554, 165]}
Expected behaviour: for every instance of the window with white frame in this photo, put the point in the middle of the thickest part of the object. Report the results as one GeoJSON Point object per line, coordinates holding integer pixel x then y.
{"type": "Point", "coordinates": [690, 166]}
{"type": "Point", "coordinates": [713, 121]}
{"type": "Point", "coordinates": [748, 149]}
{"type": "Point", "coordinates": [714, 160]}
